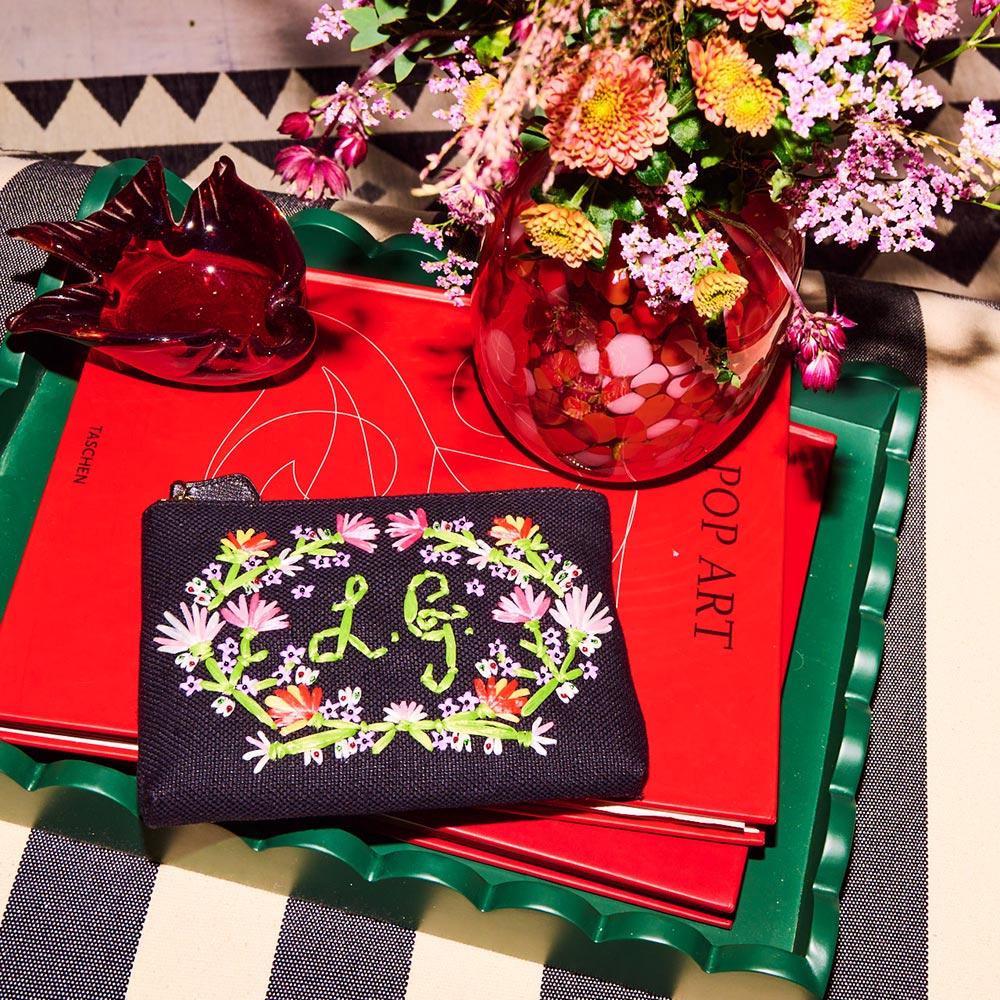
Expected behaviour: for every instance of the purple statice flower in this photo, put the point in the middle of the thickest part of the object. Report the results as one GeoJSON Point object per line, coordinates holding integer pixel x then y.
{"type": "Point", "coordinates": [978, 158]}
{"type": "Point", "coordinates": [428, 233]}
{"type": "Point", "coordinates": [983, 8]}
{"type": "Point", "coordinates": [454, 275]}
{"type": "Point", "coordinates": [329, 23]}
{"type": "Point", "coordinates": [877, 186]}
{"type": "Point", "coordinates": [667, 265]}
{"type": "Point", "coordinates": [309, 173]}
{"type": "Point", "coordinates": [675, 189]}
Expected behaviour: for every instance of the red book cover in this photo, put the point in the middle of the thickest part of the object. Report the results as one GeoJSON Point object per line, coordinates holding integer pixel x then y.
{"type": "Point", "coordinates": [689, 878]}
{"type": "Point", "coordinates": [695, 873]}
{"type": "Point", "coordinates": [390, 405]}
{"type": "Point", "coordinates": [810, 452]}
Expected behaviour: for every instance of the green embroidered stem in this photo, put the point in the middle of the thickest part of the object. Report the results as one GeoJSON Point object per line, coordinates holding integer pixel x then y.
{"type": "Point", "coordinates": [533, 703]}
{"type": "Point", "coordinates": [438, 687]}
{"type": "Point", "coordinates": [253, 708]}
{"type": "Point", "coordinates": [215, 670]}
{"type": "Point", "coordinates": [538, 647]}
{"type": "Point", "coordinates": [316, 741]}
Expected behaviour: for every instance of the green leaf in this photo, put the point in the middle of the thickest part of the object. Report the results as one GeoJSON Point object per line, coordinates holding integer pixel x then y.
{"type": "Point", "coordinates": [489, 48]}
{"type": "Point", "coordinates": [422, 738]}
{"type": "Point", "coordinates": [689, 133]}
{"type": "Point", "coordinates": [435, 11]}
{"type": "Point", "coordinates": [532, 142]}
{"type": "Point", "coordinates": [389, 12]}
{"type": "Point", "coordinates": [365, 22]}
{"type": "Point", "coordinates": [700, 22]}
{"type": "Point", "coordinates": [655, 170]}
{"type": "Point", "coordinates": [403, 66]}
{"type": "Point", "coordinates": [780, 180]}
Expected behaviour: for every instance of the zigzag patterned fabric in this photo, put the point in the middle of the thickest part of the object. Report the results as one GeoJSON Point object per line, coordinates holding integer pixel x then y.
{"type": "Point", "coordinates": [190, 119]}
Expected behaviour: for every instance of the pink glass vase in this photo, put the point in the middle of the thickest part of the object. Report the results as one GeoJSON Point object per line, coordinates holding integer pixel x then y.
{"type": "Point", "coordinates": [585, 376]}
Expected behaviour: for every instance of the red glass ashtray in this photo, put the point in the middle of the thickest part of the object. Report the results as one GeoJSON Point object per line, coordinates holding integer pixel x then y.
{"type": "Point", "coordinates": [218, 298]}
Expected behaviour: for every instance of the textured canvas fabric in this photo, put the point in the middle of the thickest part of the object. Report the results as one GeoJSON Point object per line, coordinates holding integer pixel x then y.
{"type": "Point", "coordinates": [357, 656]}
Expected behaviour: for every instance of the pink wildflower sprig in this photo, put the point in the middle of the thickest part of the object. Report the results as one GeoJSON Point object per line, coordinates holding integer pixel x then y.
{"type": "Point", "coordinates": [818, 340]}
{"type": "Point", "coordinates": [348, 116]}
{"type": "Point", "coordinates": [668, 265]}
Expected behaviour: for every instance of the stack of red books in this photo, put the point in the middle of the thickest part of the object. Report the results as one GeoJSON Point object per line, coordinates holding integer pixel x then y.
{"type": "Point", "coordinates": [709, 571]}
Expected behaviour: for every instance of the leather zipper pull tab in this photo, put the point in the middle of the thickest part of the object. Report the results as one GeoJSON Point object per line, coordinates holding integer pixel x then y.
{"type": "Point", "coordinates": [232, 487]}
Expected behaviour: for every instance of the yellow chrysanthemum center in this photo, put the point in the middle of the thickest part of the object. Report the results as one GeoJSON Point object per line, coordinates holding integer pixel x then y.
{"type": "Point", "coordinates": [562, 232]}
{"type": "Point", "coordinates": [729, 86]}
{"type": "Point", "coordinates": [854, 17]}
{"type": "Point", "coordinates": [480, 96]}
{"type": "Point", "coordinates": [751, 106]}
{"type": "Point", "coordinates": [604, 109]}
{"type": "Point", "coordinates": [716, 289]}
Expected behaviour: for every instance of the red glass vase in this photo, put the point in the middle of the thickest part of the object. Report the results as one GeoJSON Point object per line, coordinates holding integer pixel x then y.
{"type": "Point", "coordinates": [588, 378]}
{"type": "Point", "coordinates": [218, 298]}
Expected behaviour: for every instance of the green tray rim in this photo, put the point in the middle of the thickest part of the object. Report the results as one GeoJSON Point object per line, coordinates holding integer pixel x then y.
{"type": "Point", "coordinates": [490, 888]}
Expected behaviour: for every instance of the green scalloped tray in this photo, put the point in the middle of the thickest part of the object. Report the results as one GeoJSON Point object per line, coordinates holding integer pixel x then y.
{"type": "Point", "coordinates": [782, 941]}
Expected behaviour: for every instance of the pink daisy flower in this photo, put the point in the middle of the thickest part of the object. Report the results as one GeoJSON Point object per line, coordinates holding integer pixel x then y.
{"type": "Point", "coordinates": [309, 173]}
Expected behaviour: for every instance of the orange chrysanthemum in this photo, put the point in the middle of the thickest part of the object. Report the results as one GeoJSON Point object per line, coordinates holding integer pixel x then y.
{"type": "Point", "coordinates": [772, 12]}
{"type": "Point", "coordinates": [729, 87]}
{"type": "Point", "coordinates": [562, 232]}
{"type": "Point", "coordinates": [606, 112]}
{"type": "Point", "coordinates": [852, 18]}
{"type": "Point", "coordinates": [716, 289]}
{"type": "Point", "coordinates": [752, 105]}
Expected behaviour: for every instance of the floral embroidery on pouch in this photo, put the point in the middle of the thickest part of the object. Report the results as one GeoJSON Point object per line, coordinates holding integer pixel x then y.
{"type": "Point", "coordinates": [302, 700]}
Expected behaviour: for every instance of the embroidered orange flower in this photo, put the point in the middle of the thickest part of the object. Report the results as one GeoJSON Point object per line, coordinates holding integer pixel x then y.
{"type": "Point", "coordinates": [772, 12]}
{"type": "Point", "coordinates": [563, 233]}
{"type": "Point", "coordinates": [729, 86]}
{"type": "Point", "coordinates": [606, 111]}
{"type": "Point", "coordinates": [716, 289]}
{"type": "Point", "coordinates": [292, 707]}
{"type": "Point", "coordinates": [503, 698]}
{"type": "Point", "coordinates": [510, 529]}
{"type": "Point", "coordinates": [247, 543]}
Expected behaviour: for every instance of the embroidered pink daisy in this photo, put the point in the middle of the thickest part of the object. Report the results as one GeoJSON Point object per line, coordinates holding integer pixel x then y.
{"type": "Point", "coordinates": [258, 615]}
{"type": "Point", "coordinates": [194, 634]}
{"type": "Point", "coordinates": [357, 530]}
{"type": "Point", "coordinates": [578, 614]}
{"type": "Point", "coordinates": [606, 111]}
{"type": "Point", "coordinates": [523, 605]}
{"type": "Point", "coordinates": [407, 530]}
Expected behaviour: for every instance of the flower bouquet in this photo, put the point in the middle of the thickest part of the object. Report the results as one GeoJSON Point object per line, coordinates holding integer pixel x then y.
{"type": "Point", "coordinates": [658, 118]}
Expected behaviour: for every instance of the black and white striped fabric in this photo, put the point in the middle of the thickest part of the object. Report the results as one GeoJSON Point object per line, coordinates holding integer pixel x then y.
{"type": "Point", "coordinates": [87, 922]}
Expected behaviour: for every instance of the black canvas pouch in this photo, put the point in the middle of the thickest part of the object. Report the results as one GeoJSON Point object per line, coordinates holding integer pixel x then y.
{"type": "Point", "coordinates": [378, 654]}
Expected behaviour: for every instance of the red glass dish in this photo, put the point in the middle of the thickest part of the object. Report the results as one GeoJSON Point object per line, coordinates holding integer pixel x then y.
{"type": "Point", "coordinates": [217, 298]}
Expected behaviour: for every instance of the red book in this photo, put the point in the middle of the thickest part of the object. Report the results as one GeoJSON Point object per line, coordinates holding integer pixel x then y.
{"type": "Point", "coordinates": [390, 405]}
{"type": "Point", "coordinates": [668, 869]}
